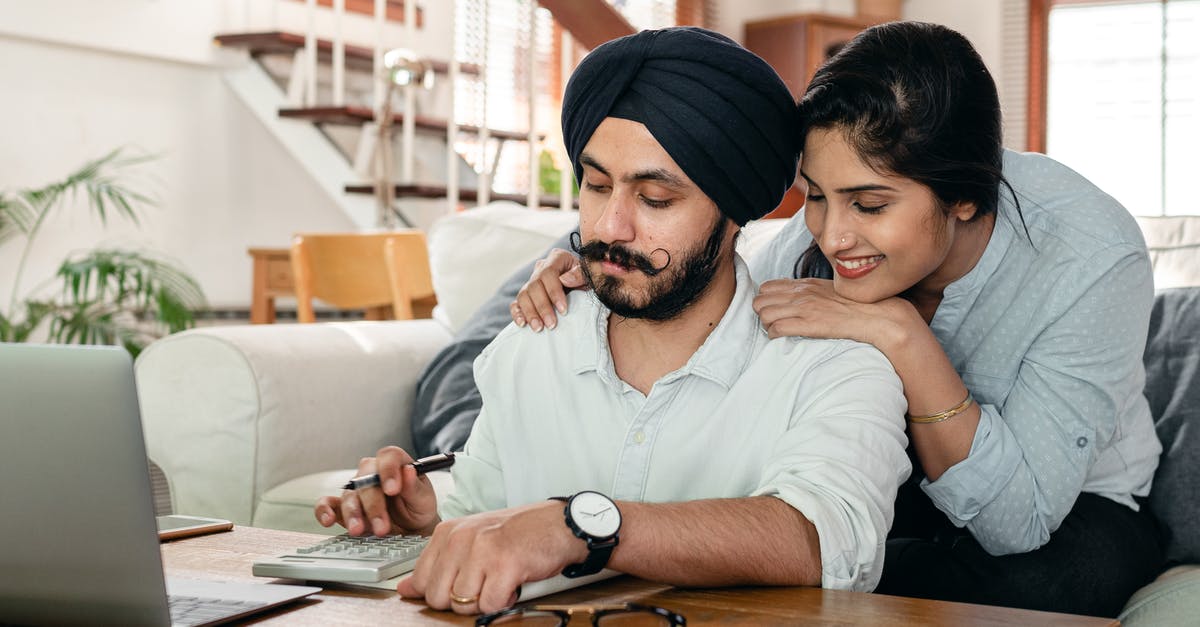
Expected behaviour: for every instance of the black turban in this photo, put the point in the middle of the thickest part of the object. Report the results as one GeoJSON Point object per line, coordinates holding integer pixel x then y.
{"type": "Point", "coordinates": [718, 109]}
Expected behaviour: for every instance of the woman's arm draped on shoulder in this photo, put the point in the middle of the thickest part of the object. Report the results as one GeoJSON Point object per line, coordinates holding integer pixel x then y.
{"type": "Point", "coordinates": [1029, 459]}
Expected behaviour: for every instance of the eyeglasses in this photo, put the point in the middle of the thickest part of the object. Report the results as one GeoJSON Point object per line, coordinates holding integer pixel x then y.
{"type": "Point", "coordinates": [622, 615]}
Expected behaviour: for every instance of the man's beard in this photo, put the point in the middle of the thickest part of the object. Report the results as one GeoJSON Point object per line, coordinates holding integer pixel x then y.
{"type": "Point", "coordinates": [670, 290]}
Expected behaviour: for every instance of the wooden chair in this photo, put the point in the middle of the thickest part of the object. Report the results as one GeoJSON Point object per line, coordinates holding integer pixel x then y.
{"type": "Point", "coordinates": [385, 273]}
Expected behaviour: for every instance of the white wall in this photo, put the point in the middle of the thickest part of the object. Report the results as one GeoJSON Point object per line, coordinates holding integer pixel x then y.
{"type": "Point", "coordinates": [980, 21]}
{"type": "Point", "coordinates": [223, 183]}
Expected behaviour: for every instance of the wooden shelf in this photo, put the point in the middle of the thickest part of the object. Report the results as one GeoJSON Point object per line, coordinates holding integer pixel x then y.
{"type": "Point", "coordinates": [464, 194]}
{"type": "Point", "coordinates": [279, 42]}
{"type": "Point", "coordinates": [356, 116]}
{"type": "Point", "coordinates": [796, 45]}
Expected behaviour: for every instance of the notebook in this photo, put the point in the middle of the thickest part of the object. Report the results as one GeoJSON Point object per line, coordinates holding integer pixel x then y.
{"type": "Point", "coordinates": [78, 538]}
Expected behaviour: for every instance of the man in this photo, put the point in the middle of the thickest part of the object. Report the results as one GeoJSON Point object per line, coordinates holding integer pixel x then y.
{"type": "Point", "coordinates": [693, 449]}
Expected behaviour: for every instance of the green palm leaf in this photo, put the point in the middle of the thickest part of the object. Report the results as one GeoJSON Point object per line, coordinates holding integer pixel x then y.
{"type": "Point", "coordinates": [100, 284]}
{"type": "Point", "coordinates": [106, 296]}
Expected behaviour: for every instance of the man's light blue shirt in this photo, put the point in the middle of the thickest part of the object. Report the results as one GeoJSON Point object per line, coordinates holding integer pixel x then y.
{"type": "Point", "coordinates": [1047, 332]}
{"type": "Point", "coordinates": [816, 423]}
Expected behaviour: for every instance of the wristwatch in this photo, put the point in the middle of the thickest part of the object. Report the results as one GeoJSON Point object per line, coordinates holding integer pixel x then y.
{"type": "Point", "coordinates": [595, 519]}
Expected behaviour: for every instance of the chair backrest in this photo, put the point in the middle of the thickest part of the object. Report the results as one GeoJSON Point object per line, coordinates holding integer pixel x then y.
{"type": "Point", "coordinates": [367, 270]}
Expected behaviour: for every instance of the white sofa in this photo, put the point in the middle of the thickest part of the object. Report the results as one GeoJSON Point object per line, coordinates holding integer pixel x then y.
{"type": "Point", "coordinates": [254, 423]}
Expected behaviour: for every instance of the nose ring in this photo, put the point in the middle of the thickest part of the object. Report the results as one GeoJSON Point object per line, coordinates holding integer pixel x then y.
{"type": "Point", "coordinates": [843, 240]}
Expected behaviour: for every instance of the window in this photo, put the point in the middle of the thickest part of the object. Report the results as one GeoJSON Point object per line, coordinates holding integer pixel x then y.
{"type": "Point", "coordinates": [1122, 98]}
{"type": "Point", "coordinates": [506, 27]}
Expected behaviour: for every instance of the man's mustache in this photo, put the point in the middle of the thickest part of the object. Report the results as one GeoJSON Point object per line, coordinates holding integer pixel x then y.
{"type": "Point", "coordinates": [599, 251]}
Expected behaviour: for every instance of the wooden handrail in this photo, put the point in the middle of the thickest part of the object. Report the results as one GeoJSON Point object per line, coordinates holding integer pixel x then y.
{"type": "Point", "coordinates": [590, 22]}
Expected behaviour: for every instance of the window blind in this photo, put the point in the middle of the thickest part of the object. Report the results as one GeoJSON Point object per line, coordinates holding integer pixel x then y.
{"type": "Point", "coordinates": [1123, 98]}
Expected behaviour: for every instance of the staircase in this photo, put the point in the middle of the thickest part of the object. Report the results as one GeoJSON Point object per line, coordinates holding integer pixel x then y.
{"type": "Point", "coordinates": [313, 88]}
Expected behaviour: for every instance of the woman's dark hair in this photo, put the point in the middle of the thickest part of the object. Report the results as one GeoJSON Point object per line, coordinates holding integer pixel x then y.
{"type": "Point", "coordinates": [914, 100]}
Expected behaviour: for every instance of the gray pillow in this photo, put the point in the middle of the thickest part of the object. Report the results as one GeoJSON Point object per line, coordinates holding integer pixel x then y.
{"type": "Point", "coordinates": [1172, 361]}
{"type": "Point", "coordinates": [447, 401]}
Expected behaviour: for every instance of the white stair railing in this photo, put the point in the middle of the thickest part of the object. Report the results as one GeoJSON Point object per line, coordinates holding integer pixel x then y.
{"type": "Point", "coordinates": [532, 199]}
{"type": "Point", "coordinates": [408, 131]}
{"type": "Point", "coordinates": [483, 183]}
{"type": "Point", "coordinates": [566, 173]}
{"type": "Point", "coordinates": [339, 54]}
{"type": "Point", "coordinates": [302, 92]}
{"type": "Point", "coordinates": [452, 120]}
{"type": "Point", "coordinates": [310, 56]}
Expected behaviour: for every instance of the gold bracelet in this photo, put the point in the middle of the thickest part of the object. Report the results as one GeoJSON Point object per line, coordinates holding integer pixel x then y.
{"type": "Point", "coordinates": [949, 413]}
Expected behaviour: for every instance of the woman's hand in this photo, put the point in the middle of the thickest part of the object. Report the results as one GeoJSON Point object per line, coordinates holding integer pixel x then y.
{"type": "Point", "coordinates": [546, 291]}
{"type": "Point", "coordinates": [810, 308]}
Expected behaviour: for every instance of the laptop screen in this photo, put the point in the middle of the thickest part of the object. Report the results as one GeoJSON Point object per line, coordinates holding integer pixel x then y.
{"type": "Point", "coordinates": [77, 538]}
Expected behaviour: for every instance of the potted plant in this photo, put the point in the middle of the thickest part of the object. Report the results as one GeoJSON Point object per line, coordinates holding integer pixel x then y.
{"type": "Point", "coordinates": [104, 295]}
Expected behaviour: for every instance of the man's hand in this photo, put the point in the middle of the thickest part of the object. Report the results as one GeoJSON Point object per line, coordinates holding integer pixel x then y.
{"type": "Point", "coordinates": [474, 564]}
{"type": "Point", "coordinates": [403, 503]}
{"type": "Point", "coordinates": [546, 291]}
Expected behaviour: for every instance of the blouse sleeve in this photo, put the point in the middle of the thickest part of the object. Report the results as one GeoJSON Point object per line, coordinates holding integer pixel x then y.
{"type": "Point", "coordinates": [1030, 457]}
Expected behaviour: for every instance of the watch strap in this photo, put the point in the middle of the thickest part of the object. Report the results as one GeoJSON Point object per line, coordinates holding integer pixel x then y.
{"type": "Point", "coordinates": [598, 556]}
{"type": "Point", "coordinates": [599, 550]}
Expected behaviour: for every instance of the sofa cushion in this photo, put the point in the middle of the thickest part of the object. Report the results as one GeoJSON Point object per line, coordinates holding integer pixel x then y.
{"type": "Point", "coordinates": [1172, 600]}
{"type": "Point", "coordinates": [1172, 361]}
{"type": "Point", "coordinates": [1174, 245]}
{"type": "Point", "coordinates": [473, 251]}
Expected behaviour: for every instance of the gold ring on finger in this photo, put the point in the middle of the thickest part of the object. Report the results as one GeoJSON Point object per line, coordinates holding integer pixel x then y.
{"type": "Point", "coordinates": [462, 600]}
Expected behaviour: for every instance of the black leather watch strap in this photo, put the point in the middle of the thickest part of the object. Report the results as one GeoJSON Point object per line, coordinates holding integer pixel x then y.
{"type": "Point", "coordinates": [597, 559]}
{"type": "Point", "coordinates": [599, 549]}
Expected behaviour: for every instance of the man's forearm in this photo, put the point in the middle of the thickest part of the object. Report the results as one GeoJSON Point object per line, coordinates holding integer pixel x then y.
{"type": "Point", "coordinates": [718, 542]}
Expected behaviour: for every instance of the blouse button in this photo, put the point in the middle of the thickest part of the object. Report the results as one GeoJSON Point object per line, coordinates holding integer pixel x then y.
{"type": "Point", "coordinates": [1081, 442]}
{"type": "Point", "coordinates": [639, 437]}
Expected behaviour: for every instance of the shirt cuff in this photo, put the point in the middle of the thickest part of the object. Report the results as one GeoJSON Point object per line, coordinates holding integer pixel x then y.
{"type": "Point", "coordinates": [851, 559]}
{"type": "Point", "coordinates": [970, 485]}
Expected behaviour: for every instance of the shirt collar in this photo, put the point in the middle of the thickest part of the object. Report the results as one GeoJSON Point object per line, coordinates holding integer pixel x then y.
{"type": "Point", "coordinates": [1003, 232]}
{"type": "Point", "coordinates": [723, 356]}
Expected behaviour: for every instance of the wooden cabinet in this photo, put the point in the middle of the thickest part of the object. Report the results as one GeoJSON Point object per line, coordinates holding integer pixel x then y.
{"type": "Point", "coordinates": [796, 45]}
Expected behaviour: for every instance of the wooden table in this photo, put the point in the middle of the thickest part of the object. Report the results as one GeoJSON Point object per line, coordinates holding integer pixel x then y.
{"type": "Point", "coordinates": [272, 278]}
{"type": "Point", "coordinates": [228, 556]}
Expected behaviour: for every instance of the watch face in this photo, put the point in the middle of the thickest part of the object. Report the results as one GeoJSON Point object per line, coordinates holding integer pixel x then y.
{"type": "Point", "coordinates": [595, 514]}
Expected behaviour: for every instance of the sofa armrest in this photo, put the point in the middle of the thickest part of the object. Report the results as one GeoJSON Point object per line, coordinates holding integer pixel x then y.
{"type": "Point", "coordinates": [230, 412]}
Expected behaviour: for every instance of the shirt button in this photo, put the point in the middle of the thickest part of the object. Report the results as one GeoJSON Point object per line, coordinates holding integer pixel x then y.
{"type": "Point", "coordinates": [1081, 442]}
{"type": "Point", "coordinates": [639, 437]}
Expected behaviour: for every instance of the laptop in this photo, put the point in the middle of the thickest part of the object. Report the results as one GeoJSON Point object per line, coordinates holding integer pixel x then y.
{"type": "Point", "coordinates": [78, 537]}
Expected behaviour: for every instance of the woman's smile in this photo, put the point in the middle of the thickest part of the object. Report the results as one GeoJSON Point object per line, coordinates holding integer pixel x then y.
{"type": "Point", "coordinates": [856, 267]}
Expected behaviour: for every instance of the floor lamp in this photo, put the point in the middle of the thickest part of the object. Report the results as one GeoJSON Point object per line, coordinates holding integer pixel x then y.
{"type": "Point", "coordinates": [401, 68]}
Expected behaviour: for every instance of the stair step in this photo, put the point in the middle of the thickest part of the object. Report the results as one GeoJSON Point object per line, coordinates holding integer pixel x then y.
{"type": "Point", "coordinates": [280, 42]}
{"type": "Point", "coordinates": [356, 116]}
{"type": "Point", "coordinates": [439, 191]}
{"type": "Point", "coordinates": [395, 9]}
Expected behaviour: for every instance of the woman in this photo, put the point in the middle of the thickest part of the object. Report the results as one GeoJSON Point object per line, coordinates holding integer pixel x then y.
{"type": "Point", "coordinates": [1012, 297]}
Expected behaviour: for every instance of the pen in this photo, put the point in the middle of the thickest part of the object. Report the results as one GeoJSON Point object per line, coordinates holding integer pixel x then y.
{"type": "Point", "coordinates": [423, 465]}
